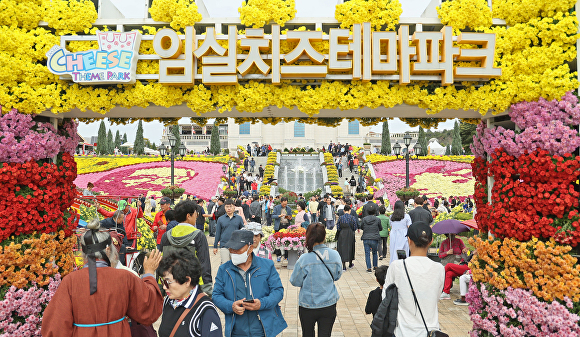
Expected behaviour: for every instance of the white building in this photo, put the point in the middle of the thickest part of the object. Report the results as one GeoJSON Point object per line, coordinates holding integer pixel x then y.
{"type": "Point", "coordinates": [280, 136]}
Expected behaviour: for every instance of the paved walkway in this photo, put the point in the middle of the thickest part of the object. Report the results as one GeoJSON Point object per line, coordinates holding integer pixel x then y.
{"type": "Point", "coordinates": [354, 287]}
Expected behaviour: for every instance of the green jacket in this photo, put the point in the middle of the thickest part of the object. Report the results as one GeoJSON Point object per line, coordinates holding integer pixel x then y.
{"type": "Point", "coordinates": [386, 223]}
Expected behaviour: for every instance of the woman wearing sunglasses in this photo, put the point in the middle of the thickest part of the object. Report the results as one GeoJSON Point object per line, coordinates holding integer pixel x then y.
{"type": "Point", "coordinates": [187, 311]}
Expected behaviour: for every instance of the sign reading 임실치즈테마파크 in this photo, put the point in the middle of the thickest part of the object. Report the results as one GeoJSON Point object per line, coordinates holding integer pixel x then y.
{"type": "Point", "coordinates": [363, 54]}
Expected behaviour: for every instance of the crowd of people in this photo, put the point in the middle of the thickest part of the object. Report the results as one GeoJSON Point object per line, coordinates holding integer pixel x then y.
{"type": "Point", "coordinates": [247, 287]}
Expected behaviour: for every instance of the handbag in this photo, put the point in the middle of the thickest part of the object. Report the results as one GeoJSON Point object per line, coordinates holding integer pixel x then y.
{"type": "Point", "coordinates": [185, 312]}
{"type": "Point", "coordinates": [432, 333]}
{"type": "Point", "coordinates": [321, 260]}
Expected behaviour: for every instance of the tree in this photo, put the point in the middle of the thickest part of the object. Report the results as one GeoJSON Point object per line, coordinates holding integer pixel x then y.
{"type": "Point", "coordinates": [422, 141]}
{"type": "Point", "coordinates": [124, 138]}
{"type": "Point", "coordinates": [124, 149]}
{"type": "Point", "coordinates": [102, 139]}
{"type": "Point", "coordinates": [215, 146]}
{"type": "Point", "coordinates": [110, 143]}
{"type": "Point", "coordinates": [456, 148]}
{"type": "Point", "coordinates": [467, 131]}
{"type": "Point", "coordinates": [386, 139]}
{"type": "Point", "coordinates": [175, 132]}
{"type": "Point", "coordinates": [118, 140]}
{"type": "Point", "coordinates": [139, 146]}
{"type": "Point", "coordinates": [448, 150]}
{"type": "Point", "coordinates": [153, 146]}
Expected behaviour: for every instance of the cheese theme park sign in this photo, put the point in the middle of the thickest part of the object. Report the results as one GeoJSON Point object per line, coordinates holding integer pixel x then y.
{"type": "Point", "coordinates": [358, 55]}
{"type": "Point", "coordinates": [114, 62]}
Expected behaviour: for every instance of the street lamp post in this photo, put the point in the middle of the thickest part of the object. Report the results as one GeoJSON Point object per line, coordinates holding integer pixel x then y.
{"type": "Point", "coordinates": [163, 152]}
{"type": "Point", "coordinates": [407, 140]}
{"type": "Point", "coordinates": [418, 149]}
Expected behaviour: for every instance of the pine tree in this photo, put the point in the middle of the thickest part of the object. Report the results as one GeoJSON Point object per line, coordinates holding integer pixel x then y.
{"type": "Point", "coordinates": [467, 131]}
{"type": "Point", "coordinates": [153, 146]}
{"type": "Point", "coordinates": [456, 149]}
{"type": "Point", "coordinates": [124, 138]}
{"type": "Point", "coordinates": [386, 139]}
{"type": "Point", "coordinates": [123, 141]}
{"type": "Point", "coordinates": [175, 132]}
{"type": "Point", "coordinates": [422, 141]}
{"type": "Point", "coordinates": [139, 146]}
{"type": "Point", "coordinates": [118, 140]}
{"type": "Point", "coordinates": [448, 150]}
{"type": "Point", "coordinates": [102, 139]}
{"type": "Point", "coordinates": [215, 146]}
{"type": "Point", "coordinates": [110, 143]}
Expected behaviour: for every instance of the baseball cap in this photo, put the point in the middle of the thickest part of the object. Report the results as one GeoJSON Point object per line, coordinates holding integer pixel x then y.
{"type": "Point", "coordinates": [418, 229]}
{"type": "Point", "coordinates": [121, 204]}
{"type": "Point", "coordinates": [239, 239]}
{"type": "Point", "coordinates": [254, 227]}
{"type": "Point", "coordinates": [164, 200]}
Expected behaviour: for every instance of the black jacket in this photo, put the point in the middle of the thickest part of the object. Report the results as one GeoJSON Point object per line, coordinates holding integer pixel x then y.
{"type": "Point", "coordinates": [385, 320]}
{"type": "Point", "coordinates": [420, 214]}
{"type": "Point", "coordinates": [368, 206]}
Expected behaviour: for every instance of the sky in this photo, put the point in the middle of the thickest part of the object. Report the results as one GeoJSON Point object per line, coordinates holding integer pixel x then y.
{"type": "Point", "coordinates": [154, 130]}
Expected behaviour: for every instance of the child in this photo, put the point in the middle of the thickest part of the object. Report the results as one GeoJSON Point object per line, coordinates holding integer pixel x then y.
{"type": "Point", "coordinates": [375, 296]}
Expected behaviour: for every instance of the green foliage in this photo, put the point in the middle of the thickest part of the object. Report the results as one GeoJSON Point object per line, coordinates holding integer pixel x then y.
{"type": "Point", "coordinates": [168, 191]}
{"type": "Point", "coordinates": [448, 150]}
{"type": "Point", "coordinates": [386, 139]}
{"type": "Point", "coordinates": [310, 194]}
{"type": "Point", "coordinates": [124, 149]}
{"type": "Point", "coordinates": [139, 146]}
{"type": "Point", "coordinates": [175, 132]}
{"type": "Point", "coordinates": [110, 143]}
{"type": "Point", "coordinates": [118, 140]}
{"type": "Point", "coordinates": [215, 147]}
{"type": "Point", "coordinates": [409, 192]}
{"type": "Point", "coordinates": [456, 148]}
{"type": "Point", "coordinates": [466, 132]}
{"type": "Point", "coordinates": [102, 139]}
{"type": "Point", "coordinates": [422, 141]}
{"type": "Point", "coordinates": [443, 136]}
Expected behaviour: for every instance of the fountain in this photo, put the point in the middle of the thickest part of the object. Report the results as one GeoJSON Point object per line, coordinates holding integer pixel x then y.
{"type": "Point", "coordinates": [300, 173]}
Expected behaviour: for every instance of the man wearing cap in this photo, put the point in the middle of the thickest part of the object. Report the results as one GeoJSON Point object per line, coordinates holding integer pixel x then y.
{"type": "Point", "coordinates": [248, 291]}
{"type": "Point", "coordinates": [255, 228]}
{"type": "Point", "coordinates": [427, 278]}
{"type": "Point", "coordinates": [226, 225]}
{"type": "Point", "coordinates": [131, 215]}
{"type": "Point", "coordinates": [159, 224]}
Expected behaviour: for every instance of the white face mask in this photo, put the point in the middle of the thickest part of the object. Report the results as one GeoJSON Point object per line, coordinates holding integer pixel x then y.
{"type": "Point", "coordinates": [238, 259]}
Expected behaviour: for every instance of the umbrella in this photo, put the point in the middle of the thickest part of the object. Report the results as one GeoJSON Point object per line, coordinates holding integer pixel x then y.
{"type": "Point", "coordinates": [470, 223]}
{"type": "Point", "coordinates": [449, 226]}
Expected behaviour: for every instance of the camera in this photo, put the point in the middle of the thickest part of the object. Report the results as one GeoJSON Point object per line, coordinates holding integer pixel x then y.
{"type": "Point", "coordinates": [401, 254]}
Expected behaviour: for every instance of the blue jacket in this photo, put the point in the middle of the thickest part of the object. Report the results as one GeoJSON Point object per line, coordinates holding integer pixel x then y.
{"type": "Point", "coordinates": [275, 215]}
{"type": "Point", "coordinates": [263, 284]}
{"type": "Point", "coordinates": [310, 275]}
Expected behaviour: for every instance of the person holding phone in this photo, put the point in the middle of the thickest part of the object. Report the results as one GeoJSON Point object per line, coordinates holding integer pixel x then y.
{"type": "Point", "coordinates": [248, 290]}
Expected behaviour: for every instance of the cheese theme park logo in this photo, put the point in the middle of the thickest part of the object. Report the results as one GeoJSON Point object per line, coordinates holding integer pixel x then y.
{"type": "Point", "coordinates": [114, 62]}
{"type": "Point", "coordinates": [362, 54]}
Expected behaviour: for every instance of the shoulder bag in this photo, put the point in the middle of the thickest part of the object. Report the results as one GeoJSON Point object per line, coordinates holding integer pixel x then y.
{"type": "Point", "coordinates": [182, 317]}
{"type": "Point", "coordinates": [432, 333]}
{"type": "Point", "coordinates": [321, 260]}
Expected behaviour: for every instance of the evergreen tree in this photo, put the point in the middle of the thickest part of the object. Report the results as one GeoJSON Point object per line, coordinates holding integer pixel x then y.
{"type": "Point", "coordinates": [118, 140]}
{"type": "Point", "coordinates": [422, 141]}
{"type": "Point", "coordinates": [215, 146]}
{"type": "Point", "coordinates": [386, 139]}
{"type": "Point", "coordinates": [467, 131]}
{"type": "Point", "coordinates": [175, 132]}
{"type": "Point", "coordinates": [448, 150]}
{"type": "Point", "coordinates": [124, 138]}
{"type": "Point", "coordinates": [124, 149]}
{"type": "Point", "coordinates": [139, 146]}
{"type": "Point", "coordinates": [102, 139]}
{"type": "Point", "coordinates": [456, 144]}
{"type": "Point", "coordinates": [153, 146]}
{"type": "Point", "coordinates": [110, 143]}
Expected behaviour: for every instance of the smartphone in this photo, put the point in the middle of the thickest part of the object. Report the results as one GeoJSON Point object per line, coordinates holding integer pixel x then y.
{"type": "Point", "coordinates": [401, 254]}
{"type": "Point", "coordinates": [248, 301]}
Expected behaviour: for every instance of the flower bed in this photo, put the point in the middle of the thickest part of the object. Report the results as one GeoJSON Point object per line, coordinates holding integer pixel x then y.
{"type": "Point", "coordinates": [434, 178]}
{"type": "Point", "coordinates": [287, 239]}
{"type": "Point", "coordinates": [196, 177]}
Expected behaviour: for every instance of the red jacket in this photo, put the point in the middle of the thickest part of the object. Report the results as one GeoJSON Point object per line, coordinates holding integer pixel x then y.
{"type": "Point", "coordinates": [130, 218]}
{"type": "Point", "coordinates": [159, 216]}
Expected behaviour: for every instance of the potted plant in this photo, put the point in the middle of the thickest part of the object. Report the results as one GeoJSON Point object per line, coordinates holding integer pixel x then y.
{"type": "Point", "coordinates": [173, 192]}
{"type": "Point", "coordinates": [367, 146]}
{"type": "Point", "coordinates": [229, 193]}
{"type": "Point", "coordinates": [407, 193]}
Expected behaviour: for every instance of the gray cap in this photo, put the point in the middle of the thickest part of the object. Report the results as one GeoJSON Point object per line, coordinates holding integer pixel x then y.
{"type": "Point", "coordinates": [239, 239]}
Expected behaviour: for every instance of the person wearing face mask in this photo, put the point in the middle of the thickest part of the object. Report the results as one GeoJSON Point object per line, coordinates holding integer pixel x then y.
{"type": "Point", "coordinates": [248, 291]}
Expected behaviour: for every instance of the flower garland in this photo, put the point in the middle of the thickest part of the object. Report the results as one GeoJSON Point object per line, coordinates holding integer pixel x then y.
{"type": "Point", "coordinates": [179, 13]}
{"type": "Point", "coordinates": [517, 312]}
{"type": "Point", "coordinates": [22, 139]}
{"type": "Point", "coordinates": [544, 267]}
{"type": "Point", "coordinates": [474, 14]}
{"type": "Point", "coordinates": [69, 17]}
{"type": "Point", "coordinates": [514, 12]}
{"type": "Point", "coordinates": [35, 258]}
{"type": "Point", "coordinates": [257, 13]}
{"type": "Point", "coordinates": [378, 13]}
{"type": "Point", "coordinates": [21, 310]}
